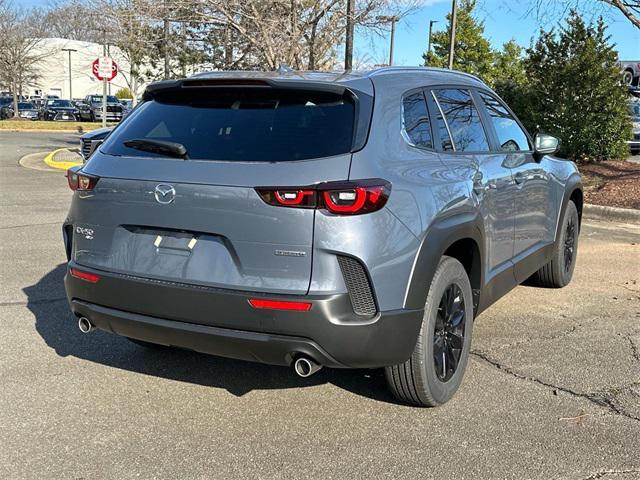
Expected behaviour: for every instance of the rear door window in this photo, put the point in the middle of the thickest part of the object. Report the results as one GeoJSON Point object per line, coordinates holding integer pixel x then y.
{"type": "Point", "coordinates": [510, 135]}
{"type": "Point", "coordinates": [415, 118]}
{"type": "Point", "coordinates": [259, 124]}
{"type": "Point", "coordinates": [463, 120]}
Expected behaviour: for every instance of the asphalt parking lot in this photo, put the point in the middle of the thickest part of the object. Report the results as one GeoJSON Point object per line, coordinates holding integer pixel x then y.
{"type": "Point", "coordinates": [552, 389]}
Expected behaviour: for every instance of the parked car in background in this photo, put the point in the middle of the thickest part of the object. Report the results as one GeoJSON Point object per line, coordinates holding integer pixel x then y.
{"type": "Point", "coordinates": [127, 104]}
{"type": "Point", "coordinates": [39, 103]}
{"type": "Point", "coordinates": [91, 140]}
{"type": "Point", "coordinates": [59, 110]}
{"type": "Point", "coordinates": [357, 220]}
{"type": "Point", "coordinates": [28, 111]}
{"type": "Point", "coordinates": [630, 72]}
{"type": "Point", "coordinates": [634, 112]}
{"type": "Point", "coordinates": [91, 108]}
{"type": "Point", "coordinates": [6, 107]}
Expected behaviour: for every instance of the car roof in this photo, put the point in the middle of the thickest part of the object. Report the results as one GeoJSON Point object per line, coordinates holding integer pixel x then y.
{"type": "Point", "coordinates": [432, 75]}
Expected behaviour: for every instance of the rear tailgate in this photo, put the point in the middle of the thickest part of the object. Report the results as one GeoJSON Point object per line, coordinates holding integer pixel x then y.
{"type": "Point", "coordinates": [221, 235]}
{"type": "Point", "coordinates": [200, 220]}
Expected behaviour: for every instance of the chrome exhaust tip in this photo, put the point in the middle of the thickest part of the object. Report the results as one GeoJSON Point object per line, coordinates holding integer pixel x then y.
{"type": "Point", "coordinates": [305, 367]}
{"type": "Point", "coordinates": [85, 325]}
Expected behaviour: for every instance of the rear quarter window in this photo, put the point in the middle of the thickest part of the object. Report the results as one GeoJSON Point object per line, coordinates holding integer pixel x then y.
{"type": "Point", "coordinates": [415, 119]}
{"type": "Point", "coordinates": [243, 125]}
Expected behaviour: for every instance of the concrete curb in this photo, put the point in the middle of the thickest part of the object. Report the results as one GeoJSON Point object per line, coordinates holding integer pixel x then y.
{"type": "Point", "coordinates": [35, 161]}
{"type": "Point", "coordinates": [59, 165]}
{"type": "Point", "coordinates": [41, 130]}
{"type": "Point", "coordinates": [611, 214]}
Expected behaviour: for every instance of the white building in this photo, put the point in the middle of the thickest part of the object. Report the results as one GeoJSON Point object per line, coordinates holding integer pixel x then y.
{"type": "Point", "coordinates": [54, 70]}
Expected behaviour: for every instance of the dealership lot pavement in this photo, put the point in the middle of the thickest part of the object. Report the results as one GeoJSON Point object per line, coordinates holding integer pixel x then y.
{"type": "Point", "coordinates": [552, 389]}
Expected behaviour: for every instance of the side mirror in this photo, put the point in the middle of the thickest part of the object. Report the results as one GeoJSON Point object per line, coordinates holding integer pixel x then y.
{"type": "Point", "coordinates": [545, 145]}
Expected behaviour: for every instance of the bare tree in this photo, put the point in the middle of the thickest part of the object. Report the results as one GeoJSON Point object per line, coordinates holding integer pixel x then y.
{"type": "Point", "coordinates": [629, 8]}
{"type": "Point", "coordinates": [20, 33]}
{"type": "Point", "coordinates": [73, 20]}
{"type": "Point", "coordinates": [126, 24]}
{"type": "Point", "coordinates": [302, 34]}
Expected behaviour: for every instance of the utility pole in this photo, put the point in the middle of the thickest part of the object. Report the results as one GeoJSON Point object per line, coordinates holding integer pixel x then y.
{"type": "Point", "coordinates": [430, 30]}
{"type": "Point", "coordinates": [452, 33]}
{"type": "Point", "coordinates": [348, 47]}
{"type": "Point", "coordinates": [70, 82]}
{"type": "Point", "coordinates": [393, 19]}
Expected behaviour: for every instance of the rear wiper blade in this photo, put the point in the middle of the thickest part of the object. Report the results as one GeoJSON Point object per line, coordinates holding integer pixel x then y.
{"type": "Point", "coordinates": [172, 149]}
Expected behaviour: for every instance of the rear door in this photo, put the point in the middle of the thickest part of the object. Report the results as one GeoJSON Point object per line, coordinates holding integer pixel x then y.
{"type": "Point", "coordinates": [200, 220]}
{"type": "Point", "coordinates": [468, 148]}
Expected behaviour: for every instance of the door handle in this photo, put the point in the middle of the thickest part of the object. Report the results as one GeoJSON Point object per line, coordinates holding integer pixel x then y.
{"type": "Point", "coordinates": [480, 188]}
{"type": "Point", "coordinates": [521, 177]}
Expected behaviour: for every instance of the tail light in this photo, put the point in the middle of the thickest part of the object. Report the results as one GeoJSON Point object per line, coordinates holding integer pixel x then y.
{"type": "Point", "coordinates": [79, 181]}
{"type": "Point", "coordinates": [342, 198]}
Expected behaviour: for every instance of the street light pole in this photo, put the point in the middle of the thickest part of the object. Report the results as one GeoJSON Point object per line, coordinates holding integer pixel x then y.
{"type": "Point", "coordinates": [393, 36]}
{"type": "Point", "coordinates": [452, 33]}
{"type": "Point", "coordinates": [393, 19]}
{"type": "Point", "coordinates": [70, 82]}
{"type": "Point", "coordinates": [430, 30]}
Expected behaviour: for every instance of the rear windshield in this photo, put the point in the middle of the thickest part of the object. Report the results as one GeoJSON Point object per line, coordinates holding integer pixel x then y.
{"type": "Point", "coordinates": [242, 125]}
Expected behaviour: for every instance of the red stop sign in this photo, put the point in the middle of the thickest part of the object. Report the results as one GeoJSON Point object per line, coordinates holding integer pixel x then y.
{"type": "Point", "coordinates": [101, 69]}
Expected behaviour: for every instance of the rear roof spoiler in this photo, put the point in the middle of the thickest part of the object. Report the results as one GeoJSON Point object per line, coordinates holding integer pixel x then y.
{"type": "Point", "coordinates": [363, 102]}
{"type": "Point", "coordinates": [166, 86]}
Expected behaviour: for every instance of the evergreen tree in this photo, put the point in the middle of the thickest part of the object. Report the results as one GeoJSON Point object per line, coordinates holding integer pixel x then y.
{"type": "Point", "coordinates": [473, 53]}
{"type": "Point", "coordinates": [574, 92]}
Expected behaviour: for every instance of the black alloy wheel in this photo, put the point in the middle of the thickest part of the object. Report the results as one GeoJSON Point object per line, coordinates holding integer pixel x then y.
{"type": "Point", "coordinates": [569, 244]}
{"type": "Point", "coordinates": [448, 338]}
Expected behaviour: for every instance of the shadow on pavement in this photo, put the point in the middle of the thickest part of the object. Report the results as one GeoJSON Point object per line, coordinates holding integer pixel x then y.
{"type": "Point", "coordinates": [58, 327]}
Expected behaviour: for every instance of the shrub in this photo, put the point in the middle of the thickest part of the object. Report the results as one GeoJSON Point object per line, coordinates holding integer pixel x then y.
{"type": "Point", "coordinates": [573, 91]}
{"type": "Point", "coordinates": [124, 93]}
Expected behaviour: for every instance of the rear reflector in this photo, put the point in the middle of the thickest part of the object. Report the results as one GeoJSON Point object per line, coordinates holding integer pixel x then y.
{"type": "Point", "coordinates": [86, 276]}
{"type": "Point", "coordinates": [280, 305]}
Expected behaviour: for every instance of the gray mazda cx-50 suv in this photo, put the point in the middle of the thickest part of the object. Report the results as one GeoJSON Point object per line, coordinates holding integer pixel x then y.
{"type": "Point", "coordinates": [355, 220]}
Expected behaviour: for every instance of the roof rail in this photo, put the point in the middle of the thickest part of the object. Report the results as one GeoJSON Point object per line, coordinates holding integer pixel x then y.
{"type": "Point", "coordinates": [380, 70]}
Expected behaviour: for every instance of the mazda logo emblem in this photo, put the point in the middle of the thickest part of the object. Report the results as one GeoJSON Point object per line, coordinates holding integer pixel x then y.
{"type": "Point", "coordinates": [164, 193]}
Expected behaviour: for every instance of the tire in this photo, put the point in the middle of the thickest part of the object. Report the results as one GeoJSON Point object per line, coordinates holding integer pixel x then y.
{"type": "Point", "coordinates": [559, 271]}
{"type": "Point", "coordinates": [627, 77]}
{"type": "Point", "coordinates": [422, 380]}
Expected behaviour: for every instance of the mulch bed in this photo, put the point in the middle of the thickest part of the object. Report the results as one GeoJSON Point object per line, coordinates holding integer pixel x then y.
{"type": "Point", "coordinates": [612, 183]}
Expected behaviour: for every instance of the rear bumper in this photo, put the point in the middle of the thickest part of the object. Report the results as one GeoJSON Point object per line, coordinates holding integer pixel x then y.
{"type": "Point", "coordinates": [222, 322]}
{"type": "Point", "coordinates": [111, 116]}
